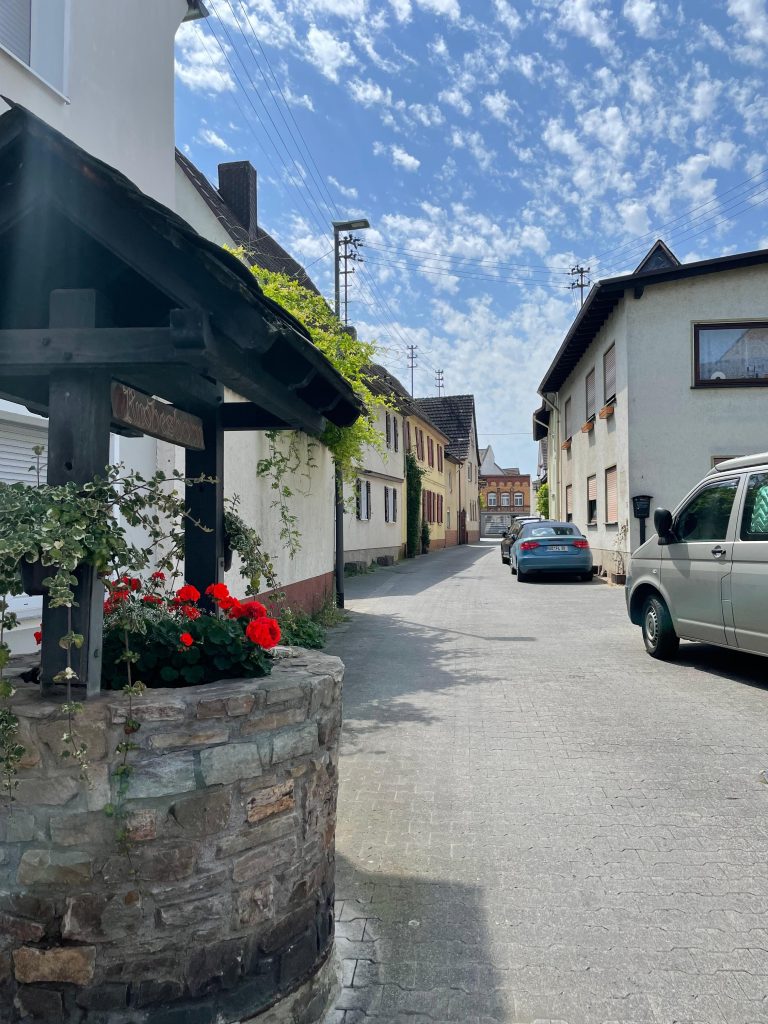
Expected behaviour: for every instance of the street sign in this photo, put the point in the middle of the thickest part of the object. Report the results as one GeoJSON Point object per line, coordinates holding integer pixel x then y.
{"type": "Point", "coordinates": [131, 408]}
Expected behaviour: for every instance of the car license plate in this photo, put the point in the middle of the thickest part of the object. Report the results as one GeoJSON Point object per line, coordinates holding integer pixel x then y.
{"type": "Point", "coordinates": [558, 547]}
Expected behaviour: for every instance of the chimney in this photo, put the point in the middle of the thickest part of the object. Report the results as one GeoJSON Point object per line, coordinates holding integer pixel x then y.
{"type": "Point", "coordinates": [237, 187]}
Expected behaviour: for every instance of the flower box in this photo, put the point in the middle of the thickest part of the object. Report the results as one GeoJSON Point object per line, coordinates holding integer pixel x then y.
{"type": "Point", "coordinates": [589, 425]}
{"type": "Point", "coordinates": [566, 445]}
{"type": "Point", "coordinates": [619, 578]}
{"type": "Point", "coordinates": [606, 412]}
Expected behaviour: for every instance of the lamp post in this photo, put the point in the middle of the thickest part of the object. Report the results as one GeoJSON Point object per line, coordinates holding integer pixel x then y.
{"type": "Point", "coordinates": [338, 227]}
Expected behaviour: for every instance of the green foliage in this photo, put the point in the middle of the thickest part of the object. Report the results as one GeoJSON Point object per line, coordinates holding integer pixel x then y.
{"type": "Point", "coordinates": [413, 475]}
{"type": "Point", "coordinates": [283, 463]}
{"type": "Point", "coordinates": [300, 630]}
{"type": "Point", "coordinates": [350, 356]}
{"type": "Point", "coordinates": [542, 501]}
{"type": "Point", "coordinates": [425, 537]}
{"type": "Point", "coordinates": [255, 564]}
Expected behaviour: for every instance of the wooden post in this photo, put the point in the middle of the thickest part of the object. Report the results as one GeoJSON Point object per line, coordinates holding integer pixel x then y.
{"type": "Point", "coordinates": [79, 416]}
{"type": "Point", "coordinates": [204, 552]}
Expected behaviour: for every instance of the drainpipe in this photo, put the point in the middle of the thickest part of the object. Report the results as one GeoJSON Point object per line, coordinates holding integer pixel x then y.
{"type": "Point", "coordinates": [553, 471]}
{"type": "Point", "coordinates": [458, 525]}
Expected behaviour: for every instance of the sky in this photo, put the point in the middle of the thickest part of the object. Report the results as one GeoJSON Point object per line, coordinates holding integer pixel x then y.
{"type": "Point", "coordinates": [493, 146]}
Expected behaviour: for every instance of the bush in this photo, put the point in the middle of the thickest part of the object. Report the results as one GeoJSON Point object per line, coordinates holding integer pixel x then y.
{"type": "Point", "coordinates": [425, 536]}
{"type": "Point", "coordinates": [542, 501]}
{"type": "Point", "coordinates": [168, 641]}
{"type": "Point", "coordinates": [413, 475]}
{"type": "Point", "coordinates": [300, 630]}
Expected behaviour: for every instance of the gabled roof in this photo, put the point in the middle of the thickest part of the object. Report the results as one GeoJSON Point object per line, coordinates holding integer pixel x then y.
{"type": "Point", "coordinates": [261, 250]}
{"type": "Point", "coordinates": [382, 382]}
{"type": "Point", "coordinates": [605, 296]}
{"type": "Point", "coordinates": [455, 416]}
{"type": "Point", "coordinates": [658, 257]}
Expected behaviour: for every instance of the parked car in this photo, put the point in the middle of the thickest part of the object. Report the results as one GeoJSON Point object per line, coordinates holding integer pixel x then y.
{"type": "Point", "coordinates": [704, 575]}
{"type": "Point", "coordinates": [512, 531]}
{"type": "Point", "coordinates": [548, 546]}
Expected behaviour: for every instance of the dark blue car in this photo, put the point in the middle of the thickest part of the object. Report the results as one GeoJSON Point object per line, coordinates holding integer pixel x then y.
{"type": "Point", "coordinates": [550, 547]}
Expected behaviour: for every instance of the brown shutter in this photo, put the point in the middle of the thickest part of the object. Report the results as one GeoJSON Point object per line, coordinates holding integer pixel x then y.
{"type": "Point", "coordinates": [592, 488]}
{"type": "Point", "coordinates": [569, 500]}
{"type": "Point", "coordinates": [394, 504]}
{"type": "Point", "coordinates": [369, 510]}
{"type": "Point", "coordinates": [358, 499]}
{"type": "Point", "coordinates": [388, 428]}
{"type": "Point", "coordinates": [609, 374]}
{"type": "Point", "coordinates": [396, 433]}
{"type": "Point", "coordinates": [407, 435]}
{"type": "Point", "coordinates": [611, 496]}
{"type": "Point", "coordinates": [590, 394]}
{"type": "Point", "coordinates": [386, 504]}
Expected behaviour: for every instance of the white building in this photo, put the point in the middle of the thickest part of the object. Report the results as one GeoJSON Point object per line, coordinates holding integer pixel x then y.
{"type": "Point", "coordinates": [663, 373]}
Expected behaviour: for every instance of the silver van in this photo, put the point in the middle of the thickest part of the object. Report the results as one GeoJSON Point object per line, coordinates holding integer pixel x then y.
{"type": "Point", "coordinates": [704, 575]}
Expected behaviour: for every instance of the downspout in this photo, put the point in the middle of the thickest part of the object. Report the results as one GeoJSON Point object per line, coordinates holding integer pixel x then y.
{"type": "Point", "coordinates": [553, 470]}
{"type": "Point", "coordinates": [458, 525]}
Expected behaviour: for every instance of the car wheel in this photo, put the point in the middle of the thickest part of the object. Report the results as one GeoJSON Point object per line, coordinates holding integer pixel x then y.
{"type": "Point", "coordinates": [586, 577]}
{"type": "Point", "coordinates": [522, 577]}
{"type": "Point", "coordinates": [512, 568]}
{"type": "Point", "coordinates": [504, 561]}
{"type": "Point", "coordinates": [659, 636]}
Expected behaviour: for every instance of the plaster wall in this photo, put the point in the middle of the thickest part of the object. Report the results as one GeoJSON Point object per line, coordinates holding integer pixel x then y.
{"type": "Point", "coordinates": [433, 479]}
{"type": "Point", "coordinates": [452, 470]}
{"type": "Point", "coordinates": [190, 205]}
{"type": "Point", "coordinates": [604, 446]}
{"type": "Point", "coordinates": [675, 430]}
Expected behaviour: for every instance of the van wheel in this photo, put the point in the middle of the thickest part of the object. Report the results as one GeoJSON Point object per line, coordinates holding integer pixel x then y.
{"type": "Point", "coordinates": [659, 636]}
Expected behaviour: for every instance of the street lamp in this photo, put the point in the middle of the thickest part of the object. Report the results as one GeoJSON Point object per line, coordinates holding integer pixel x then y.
{"type": "Point", "coordinates": [338, 227]}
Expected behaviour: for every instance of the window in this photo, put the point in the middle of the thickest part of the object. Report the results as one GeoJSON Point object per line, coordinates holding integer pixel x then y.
{"type": "Point", "coordinates": [492, 499]}
{"type": "Point", "coordinates": [518, 499]}
{"type": "Point", "coordinates": [390, 505]}
{"type": "Point", "coordinates": [430, 451]}
{"type": "Point", "coordinates": [609, 375]}
{"type": "Point", "coordinates": [592, 499]}
{"type": "Point", "coordinates": [394, 504]}
{"type": "Point", "coordinates": [590, 395]}
{"type": "Point", "coordinates": [754, 523]}
{"type": "Point", "coordinates": [717, 459]}
{"type": "Point", "coordinates": [386, 504]}
{"type": "Point", "coordinates": [611, 497]}
{"type": "Point", "coordinates": [505, 498]}
{"type": "Point", "coordinates": [440, 458]}
{"type": "Point", "coordinates": [731, 354]}
{"type": "Point", "coordinates": [439, 508]}
{"type": "Point", "coordinates": [532, 530]}
{"type": "Point", "coordinates": [407, 435]}
{"type": "Point", "coordinates": [567, 420]}
{"type": "Point", "coordinates": [388, 429]}
{"type": "Point", "coordinates": [396, 433]}
{"type": "Point", "coordinates": [469, 471]}
{"type": "Point", "coordinates": [363, 499]}
{"type": "Point", "coordinates": [707, 514]}
{"type": "Point", "coordinates": [569, 503]}
{"type": "Point", "coordinates": [35, 31]}
{"type": "Point", "coordinates": [419, 444]}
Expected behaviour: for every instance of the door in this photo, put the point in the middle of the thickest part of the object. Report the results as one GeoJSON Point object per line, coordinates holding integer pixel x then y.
{"type": "Point", "coordinates": [695, 566]}
{"type": "Point", "coordinates": [749, 577]}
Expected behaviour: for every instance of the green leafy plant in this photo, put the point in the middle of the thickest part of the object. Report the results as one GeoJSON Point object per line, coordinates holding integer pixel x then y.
{"type": "Point", "coordinates": [425, 536]}
{"type": "Point", "coordinates": [300, 629]}
{"type": "Point", "coordinates": [542, 501]}
{"type": "Point", "coordinates": [255, 564]}
{"type": "Point", "coordinates": [413, 475]}
{"type": "Point", "coordinates": [11, 751]}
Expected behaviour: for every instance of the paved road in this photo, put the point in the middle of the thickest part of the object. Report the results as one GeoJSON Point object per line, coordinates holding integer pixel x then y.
{"type": "Point", "coordinates": [536, 820]}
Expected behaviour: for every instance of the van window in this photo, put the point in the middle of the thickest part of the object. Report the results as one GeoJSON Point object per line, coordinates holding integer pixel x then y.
{"type": "Point", "coordinates": [706, 515]}
{"type": "Point", "coordinates": [754, 522]}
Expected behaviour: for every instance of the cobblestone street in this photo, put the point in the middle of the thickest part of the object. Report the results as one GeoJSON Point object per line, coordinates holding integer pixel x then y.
{"type": "Point", "coordinates": [537, 822]}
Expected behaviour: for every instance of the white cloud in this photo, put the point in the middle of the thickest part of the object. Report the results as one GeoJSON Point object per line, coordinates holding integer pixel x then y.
{"type": "Point", "coordinates": [607, 125]}
{"type": "Point", "coordinates": [455, 98]}
{"type": "Point", "coordinates": [426, 114]}
{"type": "Point", "coordinates": [211, 138]}
{"type": "Point", "coordinates": [474, 142]}
{"type": "Point", "coordinates": [508, 16]}
{"type": "Point", "coordinates": [752, 18]}
{"type": "Point", "coordinates": [644, 15]}
{"type": "Point", "coordinates": [438, 48]}
{"type": "Point", "coordinates": [535, 238]}
{"type": "Point", "coordinates": [328, 53]}
{"type": "Point", "coordinates": [353, 9]}
{"type": "Point", "coordinates": [581, 18]}
{"type": "Point", "coordinates": [369, 93]}
{"type": "Point", "coordinates": [497, 104]}
{"type": "Point", "coordinates": [447, 8]}
{"type": "Point", "coordinates": [402, 9]}
{"type": "Point", "coordinates": [704, 99]}
{"type": "Point", "coordinates": [200, 63]}
{"type": "Point", "coordinates": [347, 191]}
{"type": "Point", "coordinates": [634, 217]}
{"type": "Point", "coordinates": [400, 158]}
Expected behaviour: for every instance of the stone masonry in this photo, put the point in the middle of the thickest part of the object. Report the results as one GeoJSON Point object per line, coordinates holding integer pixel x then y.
{"type": "Point", "coordinates": [222, 904]}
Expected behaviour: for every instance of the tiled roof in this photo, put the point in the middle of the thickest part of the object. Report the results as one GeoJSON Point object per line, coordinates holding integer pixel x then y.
{"type": "Point", "coordinates": [455, 416]}
{"type": "Point", "coordinates": [382, 382]}
{"type": "Point", "coordinates": [262, 250]}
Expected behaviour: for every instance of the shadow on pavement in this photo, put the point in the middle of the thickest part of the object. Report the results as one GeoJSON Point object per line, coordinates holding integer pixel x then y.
{"type": "Point", "coordinates": [729, 664]}
{"type": "Point", "coordinates": [414, 949]}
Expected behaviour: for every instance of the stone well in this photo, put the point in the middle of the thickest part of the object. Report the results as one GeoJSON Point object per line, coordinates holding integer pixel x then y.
{"type": "Point", "coordinates": [221, 907]}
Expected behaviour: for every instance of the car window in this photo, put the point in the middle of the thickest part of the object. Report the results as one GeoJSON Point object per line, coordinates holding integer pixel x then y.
{"type": "Point", "coordinates": [706, 515]}
{"type": "Point", "coordinates": [754, 522]}
{"type": "Point", "coordinates": [551, 531]}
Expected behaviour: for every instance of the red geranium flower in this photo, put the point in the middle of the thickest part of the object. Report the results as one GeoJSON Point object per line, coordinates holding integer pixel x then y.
{"type": "Point", "coordinates": [226, 604]}
{"type": "Point", "coordinates": [187, 639]}
{"type": "Point", "coordinates": [217, 591]}
{"type": "Point", "coordinates": [38, 635]}
{"type": "Point", "coordinates": [188, 593]}
{"type": "Point", "coordinates": [254, 609]}
{"type": "Point", "coordinates": [264, 632]}
{"type": "Point", "coordinates": [158, 576]}
{"type": "Point", "coordinates": [108, 607]}
{"type": "Point", "coordinates": [152, 599]}
{"type": "Point", "coordinates": [190, 612]}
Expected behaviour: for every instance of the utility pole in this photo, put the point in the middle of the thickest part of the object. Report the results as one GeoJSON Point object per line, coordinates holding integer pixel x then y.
{"type": "Point", "coordinates": [412, 357]}
{"type": "Point", "coordinates": [439, 382]}
{"type": "Point", "coordinates": [340, 226]}
{"type": "Point", "coordinates": [346, 254]}
{"type": "Point", "coordinates": [582, 273]}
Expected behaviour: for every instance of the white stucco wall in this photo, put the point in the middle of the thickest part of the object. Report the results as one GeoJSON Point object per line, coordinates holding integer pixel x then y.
{"type": "Point", "coordinates": [674, 428]}
{"type": "Point", "coordinates": [191, 206]}
{"type": "Point", "coordinates": [366, 539]}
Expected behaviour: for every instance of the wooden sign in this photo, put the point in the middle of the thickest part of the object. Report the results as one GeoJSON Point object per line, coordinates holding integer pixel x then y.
{"type": "Point", "coordinates": [131, 408]}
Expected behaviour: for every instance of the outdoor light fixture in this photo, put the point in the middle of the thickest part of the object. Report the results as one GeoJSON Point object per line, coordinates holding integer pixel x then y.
{"type": "Point", "coordinates": [350, 225]}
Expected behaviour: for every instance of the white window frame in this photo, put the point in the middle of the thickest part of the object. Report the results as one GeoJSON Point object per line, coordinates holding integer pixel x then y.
{"type": "Point", "coordinates": [505, 499]}
{"type": "Point", "coordinates": [41, 29]}
{"type": "Point", "coordinates": [519, 495]}
{"type": "Point", "coordinates": [493, 499]}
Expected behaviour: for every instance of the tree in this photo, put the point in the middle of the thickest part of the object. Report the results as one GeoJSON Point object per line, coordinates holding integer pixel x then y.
{"type": "Point", "coordinates": [542, 501]}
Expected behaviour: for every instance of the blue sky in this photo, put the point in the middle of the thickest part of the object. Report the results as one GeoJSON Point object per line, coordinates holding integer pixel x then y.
{"type": "Point", "coordinates": [492, 145]}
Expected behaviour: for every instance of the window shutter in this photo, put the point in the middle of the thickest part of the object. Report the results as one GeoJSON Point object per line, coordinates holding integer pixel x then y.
{"type": "Point", "coordinates": [358, 500]}
{"type": "Point", "coordinates": [16, 27]}
{"type": "Point", "coordinates": [567, 419]}
{"type": "Point", "coordinates": [611, 496]}
{"type": "Point", "coordinates": [591, 394]}
{"type": "Point", "coordinates": [386, 504]}
{"type": "Point", "coordinates": [609, 374]}
{"type": "Point", "coordinates": [407, 435]}
{"type": "Point", "coordinates": [396, 433]}
{"type": "Point", "coordinates": [388, 428]}
{"type": "Point", "coordinates": [424, 505]}
{"type": "Point", "coordinates": [394, 504]}
{"type": "Point", "coordinates": [569, 499]}
{"type": "Point", "coordinates": [592, 488]}
{"type": "Point", "coordinates": [368, 509]}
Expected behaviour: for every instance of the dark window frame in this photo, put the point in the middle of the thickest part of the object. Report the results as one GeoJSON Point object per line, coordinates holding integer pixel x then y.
{"type": "Point", "coordinates": [735, 382]}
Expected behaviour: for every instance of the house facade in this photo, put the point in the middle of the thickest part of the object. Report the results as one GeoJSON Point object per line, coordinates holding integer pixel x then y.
{"type": "Point", "coordinates": [455, 416]}
{"type": "Point", "coordinates": [505, 493]}
{"type": "Point", "coordinates": [428, 443]}
{"type": "Point", "coordinates": [661, 375]}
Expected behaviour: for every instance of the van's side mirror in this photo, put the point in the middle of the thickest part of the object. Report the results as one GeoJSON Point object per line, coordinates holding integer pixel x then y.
{"type": "Point", "coordinates": [662, 521]}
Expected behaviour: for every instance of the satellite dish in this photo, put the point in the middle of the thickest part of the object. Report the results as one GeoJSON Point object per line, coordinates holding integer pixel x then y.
{"type": "Point", "coordinates": [718, 375]}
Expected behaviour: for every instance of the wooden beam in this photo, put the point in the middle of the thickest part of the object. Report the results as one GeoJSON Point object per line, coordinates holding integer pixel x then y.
{"type": "Point", "coordinates": [204, 552]}
{"type": "Point", "coordinates": [27, 351]}
{"type": "Point", "coordinates": [248, 416]}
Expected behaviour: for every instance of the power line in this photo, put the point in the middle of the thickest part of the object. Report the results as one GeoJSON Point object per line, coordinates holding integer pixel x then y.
{"type": "Point", "coordinates": [452, 272]}
{"type": "Point", "coordinates": [443, 257]}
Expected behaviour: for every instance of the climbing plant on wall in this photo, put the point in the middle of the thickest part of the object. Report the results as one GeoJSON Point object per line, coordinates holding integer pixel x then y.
{"type": "Point", "coordinates": [413, 475]}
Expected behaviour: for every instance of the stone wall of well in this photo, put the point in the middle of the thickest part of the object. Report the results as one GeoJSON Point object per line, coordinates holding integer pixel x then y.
{"type": "Point", "coordinates": [221, 905]}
